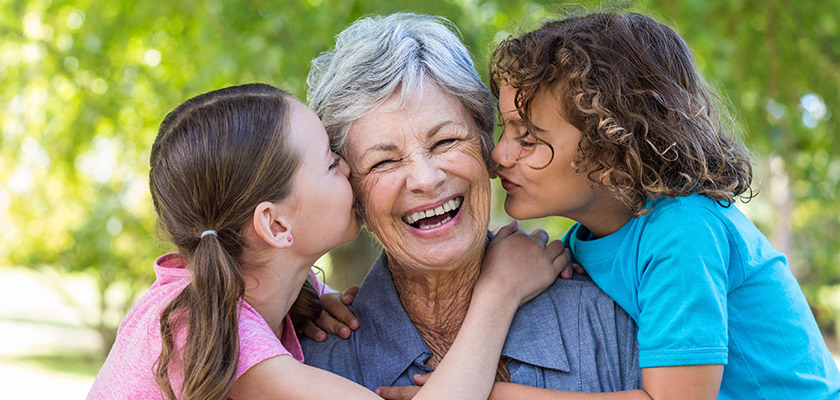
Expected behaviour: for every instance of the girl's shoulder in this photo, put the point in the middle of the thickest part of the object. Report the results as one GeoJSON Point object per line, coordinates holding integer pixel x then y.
{"type": "Point", "coordinates": [171, 268]}
{"type": "Point", "coordinates": [320, 286]}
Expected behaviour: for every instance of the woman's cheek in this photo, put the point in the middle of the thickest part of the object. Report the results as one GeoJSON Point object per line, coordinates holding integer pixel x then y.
{"type": "Point", "coordinates": [468, 164]}
{"type": "Point", "coordinates": [464, 159]}
{"type": "Point", "coordinates": [473, 149]}
{"type": "Point", "coordinates": [376, 195]}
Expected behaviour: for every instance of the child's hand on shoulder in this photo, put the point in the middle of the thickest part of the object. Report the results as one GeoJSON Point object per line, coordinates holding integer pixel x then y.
{"type": "Point", "coordinates": [523, 264]}
{"type": "Point", "coordinates": [335, 318]}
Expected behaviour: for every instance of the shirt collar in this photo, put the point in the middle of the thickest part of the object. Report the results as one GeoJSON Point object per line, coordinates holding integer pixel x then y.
{"type": "Point", "coordinates": [389, 343]}
{"type": "Point", "coordinates": [535, 336]}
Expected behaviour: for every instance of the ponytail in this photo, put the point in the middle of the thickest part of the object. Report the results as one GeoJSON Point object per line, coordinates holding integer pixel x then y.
{"type": "Point", "coordinates": [211, 303]}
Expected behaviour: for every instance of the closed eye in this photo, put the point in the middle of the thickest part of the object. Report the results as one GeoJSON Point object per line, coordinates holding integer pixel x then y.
{"type": "Point", "coordinates": [336, 161]}
{"type": "Point", "coordinates": [526, 140]}
{"type": "Point", "coordinates": [382, 164]}
{"type": "Point", "coordinates": [445, 142]}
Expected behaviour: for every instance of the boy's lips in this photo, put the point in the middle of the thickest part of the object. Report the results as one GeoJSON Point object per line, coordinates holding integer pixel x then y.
{"type": "Point", "coordinates": [507, 184]}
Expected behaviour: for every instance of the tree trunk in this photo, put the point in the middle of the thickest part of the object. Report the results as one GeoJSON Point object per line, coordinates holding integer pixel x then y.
{"type": "Point", "coordinates": [781, 196]}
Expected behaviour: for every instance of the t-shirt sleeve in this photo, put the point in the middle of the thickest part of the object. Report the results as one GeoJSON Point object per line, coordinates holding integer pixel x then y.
{"type": "Point", "coordinates": [320, 286]}
{"type": "Point", "coordinates": [682, 289]}
{"type": "Point", "coordinates": [257, 342]}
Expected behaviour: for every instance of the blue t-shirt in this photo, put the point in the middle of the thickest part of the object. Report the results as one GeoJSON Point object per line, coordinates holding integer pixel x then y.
{"type": "Point", "coordinates": [706, 287]}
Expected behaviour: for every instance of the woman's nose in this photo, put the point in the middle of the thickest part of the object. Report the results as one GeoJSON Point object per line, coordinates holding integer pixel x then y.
{"type": "Point", "coordinates": [425, 176]}
{"type": "Point", "coordinates": [501, 152]}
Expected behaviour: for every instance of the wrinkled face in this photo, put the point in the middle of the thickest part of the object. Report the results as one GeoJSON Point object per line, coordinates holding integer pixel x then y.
{"type": "Point", "coordinates": [556, 190]}
{"type": "Point", "coordinates": [321, 193]}
{"type": "Point", "coordinates": [419, 175]}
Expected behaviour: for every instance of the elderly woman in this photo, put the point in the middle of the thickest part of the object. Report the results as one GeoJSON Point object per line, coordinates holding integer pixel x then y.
{"type": "Point", "coordinates": [402, 102]}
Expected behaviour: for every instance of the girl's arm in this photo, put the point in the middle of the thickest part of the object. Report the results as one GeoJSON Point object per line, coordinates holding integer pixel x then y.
{"type": "Point", "coordinates": [516, 268]}
{"type": "Point", "coordinates": [467, 370]}
{"type": "Point", "coordinates": [284, 377]}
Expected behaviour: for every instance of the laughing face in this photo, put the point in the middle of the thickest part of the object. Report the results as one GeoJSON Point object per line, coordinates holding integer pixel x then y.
{"type": "Point", "coordinates": [418, 172]}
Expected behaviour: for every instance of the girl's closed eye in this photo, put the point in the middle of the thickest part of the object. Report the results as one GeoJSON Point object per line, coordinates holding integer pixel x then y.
{"type": "Point", "coordinates": [336, 161]}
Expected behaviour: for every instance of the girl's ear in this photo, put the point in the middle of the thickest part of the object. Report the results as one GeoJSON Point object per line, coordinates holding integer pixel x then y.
{"type": "Point", "coordinates": [271, 226]}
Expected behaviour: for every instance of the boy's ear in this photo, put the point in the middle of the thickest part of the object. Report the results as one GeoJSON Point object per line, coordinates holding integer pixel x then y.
{"type": "Point", "coordinates": [271, 226]}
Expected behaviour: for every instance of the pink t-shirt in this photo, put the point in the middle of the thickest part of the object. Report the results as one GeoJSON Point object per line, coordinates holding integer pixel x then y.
{"type": "Point", "coordinates": [128, 372]}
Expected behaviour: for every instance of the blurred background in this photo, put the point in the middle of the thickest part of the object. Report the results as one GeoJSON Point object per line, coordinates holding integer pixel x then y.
{"type": "Point", "coordinates": [84, 85]}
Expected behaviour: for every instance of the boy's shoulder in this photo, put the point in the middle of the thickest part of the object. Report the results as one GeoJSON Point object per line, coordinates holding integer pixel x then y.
{"type": "Point", "coordinates": [686, 216]}
{"type": "Point", "coordinates": [692, 206]}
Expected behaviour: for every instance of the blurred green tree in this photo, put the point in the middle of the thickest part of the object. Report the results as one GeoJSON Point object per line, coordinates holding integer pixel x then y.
{"type": "Point", "coordinates": [85, 84]}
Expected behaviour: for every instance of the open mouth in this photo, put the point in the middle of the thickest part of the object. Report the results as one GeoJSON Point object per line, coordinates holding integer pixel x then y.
{"type": "Point", "coordinates": [435, 217]}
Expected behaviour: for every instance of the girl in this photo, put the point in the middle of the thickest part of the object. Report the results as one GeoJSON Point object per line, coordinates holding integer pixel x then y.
{"type": "Point", "coordinates": [245, 185]}
{"type": "Point", "coordinates": [608, 122]}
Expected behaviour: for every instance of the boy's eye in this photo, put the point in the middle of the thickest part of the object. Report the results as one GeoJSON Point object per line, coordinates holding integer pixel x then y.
{"type": "Point", "coordinates": [526, 140]}
{"type": "Point", "coordinates": [526, 144]}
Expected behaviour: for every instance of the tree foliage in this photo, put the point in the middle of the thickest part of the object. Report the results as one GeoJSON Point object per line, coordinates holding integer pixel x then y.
{"type": "Point", "coordinates": [85, 84]}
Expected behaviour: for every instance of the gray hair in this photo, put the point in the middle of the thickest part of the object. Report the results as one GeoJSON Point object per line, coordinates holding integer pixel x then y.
{"type": "Point", "coordinates": [376, 56]}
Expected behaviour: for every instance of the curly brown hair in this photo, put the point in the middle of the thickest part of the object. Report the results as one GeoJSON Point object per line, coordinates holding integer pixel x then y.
{"type": "Point", "coordinates": [651, 126]}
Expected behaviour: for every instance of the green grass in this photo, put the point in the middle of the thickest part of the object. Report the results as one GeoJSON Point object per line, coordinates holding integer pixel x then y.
{"type": "Point", "coordinates": [82, 364]}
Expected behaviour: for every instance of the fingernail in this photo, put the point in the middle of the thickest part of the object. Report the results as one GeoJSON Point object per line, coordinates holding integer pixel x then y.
{"type": "Point", "coordinates": [354, 324]}
{"type": "Point", "coordinates": [376, 391]}
{"type": "Point", "coordinates": [321, 336]}
{"type": "Point", "coordinates": [345, 332]}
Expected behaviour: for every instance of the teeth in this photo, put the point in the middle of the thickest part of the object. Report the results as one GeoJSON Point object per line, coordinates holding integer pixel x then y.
{"type": "Point", "coordinates": [440, 210]}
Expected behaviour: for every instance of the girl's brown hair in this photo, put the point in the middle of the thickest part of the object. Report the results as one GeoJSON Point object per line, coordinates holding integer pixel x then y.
{"type": "Point", "coordinates": [216, 157]}
{"type": "Point", "coordinates": [651, 126]}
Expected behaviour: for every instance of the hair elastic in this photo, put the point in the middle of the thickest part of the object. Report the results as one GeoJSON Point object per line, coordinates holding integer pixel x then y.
{"type": "Point", "coordinates": [208, 232]}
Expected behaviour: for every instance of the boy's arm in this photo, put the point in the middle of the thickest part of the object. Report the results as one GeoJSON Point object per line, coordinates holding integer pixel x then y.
{"type": "Point", "coordinates": [335, 318]}
{"type": "Point", "coordinates": [660, 383]}
{"type": "Point", "coordinates": [683, 382]}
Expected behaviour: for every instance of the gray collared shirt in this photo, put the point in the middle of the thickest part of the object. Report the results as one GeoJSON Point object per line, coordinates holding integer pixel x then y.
{"type": "Point", "coordinates": [570, 337]}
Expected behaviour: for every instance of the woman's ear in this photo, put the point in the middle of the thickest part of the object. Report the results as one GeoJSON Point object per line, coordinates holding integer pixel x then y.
{"type": "Point", "coordinates": [271, 226]}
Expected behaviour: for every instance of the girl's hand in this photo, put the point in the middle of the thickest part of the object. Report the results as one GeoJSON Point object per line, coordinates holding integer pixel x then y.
{"type": "Point", "coordinates": [336, 318]}
{"type": "Point", "coordinates": [403, 392]}
{"type": "Point", "coordinates": [522, 265]}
